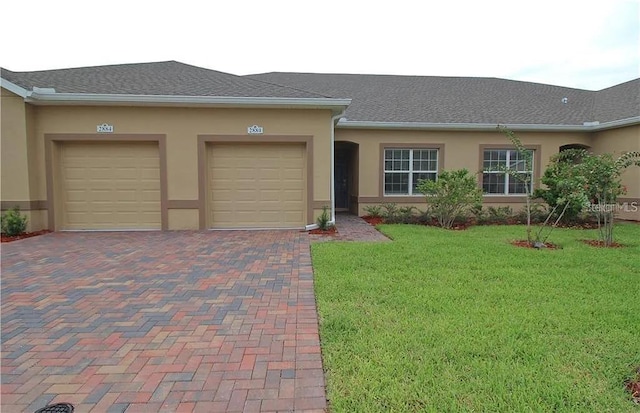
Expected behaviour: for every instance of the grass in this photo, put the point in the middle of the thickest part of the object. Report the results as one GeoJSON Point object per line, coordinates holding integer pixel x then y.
{"type": "Point", "coordinates": [463, 321]}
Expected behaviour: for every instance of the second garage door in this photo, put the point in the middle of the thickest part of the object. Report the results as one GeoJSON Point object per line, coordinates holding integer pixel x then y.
{"type": "Point", "coordinates": [109, 186]}
{"type": "Point", "coordinates": [256, 185]}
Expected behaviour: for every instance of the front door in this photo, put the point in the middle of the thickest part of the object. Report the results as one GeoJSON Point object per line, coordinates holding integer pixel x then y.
{"type": "Point", "coordinates": [341, 182]}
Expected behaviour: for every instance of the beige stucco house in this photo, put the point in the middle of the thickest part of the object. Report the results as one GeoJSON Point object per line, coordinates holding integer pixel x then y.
{"type": "Point", "coordinates": [172, 146]}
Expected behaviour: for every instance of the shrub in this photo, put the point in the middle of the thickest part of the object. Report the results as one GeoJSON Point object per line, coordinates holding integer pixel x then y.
{"type": "Point", "coordinates": [603, 186]}
{"type": "Point", "coordinates": [13, 222]}
{"type": "Point", "coordinates": [374, 211]}
{"type": "Point", "coordinates": [538, 214]}
{"type": "Point", "coordinates": [324, 218]}
{"type": "Point", "coordinates": [406, 214]}
{"type": "Point", "coordinates": [453, 195]}
{"type": "Point", "coordinates": [561, 177]}
{"type": "Point", "coordinates": [390, 211]}
{"type": "Point", "coordinates": [500, 215]}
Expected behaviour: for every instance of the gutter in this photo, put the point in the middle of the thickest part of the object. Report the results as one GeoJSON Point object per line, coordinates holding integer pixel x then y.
{"type": "Point", "coordinates": [13, 88]}
{"type": "Point", "coordinates": [47, 97]}
{"type": "Point", "coordinates": [334, 121]}
{"type": "Point", "coordinates": [517, 127]}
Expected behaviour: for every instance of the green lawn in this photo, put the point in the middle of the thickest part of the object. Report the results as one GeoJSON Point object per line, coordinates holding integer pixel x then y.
{"type": "Point", "coordinates": [462, 321]}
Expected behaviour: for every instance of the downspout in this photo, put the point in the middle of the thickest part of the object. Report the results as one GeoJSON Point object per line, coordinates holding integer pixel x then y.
{"type": "Point", "coordinates": [334, 120]}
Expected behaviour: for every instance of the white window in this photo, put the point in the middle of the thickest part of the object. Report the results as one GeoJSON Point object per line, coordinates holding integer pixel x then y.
{"type": "Point", "coordinates": [403, 168]}
{"type": "Point", "coordinates": [495, 179]}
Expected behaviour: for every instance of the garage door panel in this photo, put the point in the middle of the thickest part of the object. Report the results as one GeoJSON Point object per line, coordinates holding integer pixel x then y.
{"type": "Point", "coordinates": [256, 185]}
{"type": "Point", "coordinates": [292, 196]}
{"type": "Point", "coordinates": [246, 196]}
{"type": "Point", "coordinates": [123, 195]}
{"type": "Point", "coordinates": [110, 185]}
{"type": "Point", "coordinates": [270, 173]}
{"type": "Point", "coordinates": [149, 175]}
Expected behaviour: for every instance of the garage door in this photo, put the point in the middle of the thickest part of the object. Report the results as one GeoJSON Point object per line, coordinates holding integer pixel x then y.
{"type": "Point", "coordinates": [109, 186]}
{"type": "Point", "coordinates": [256, 185]}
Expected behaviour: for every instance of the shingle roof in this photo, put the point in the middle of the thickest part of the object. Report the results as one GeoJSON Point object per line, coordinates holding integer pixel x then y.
{"type": "Point", "coordinates": [160, 78]}
{"type": "Point", "coordinates": [385, 98]}
{"type": "Point", "coordinates": [618, 102]}
{"type": "Point", "coordinates": [375, 98]}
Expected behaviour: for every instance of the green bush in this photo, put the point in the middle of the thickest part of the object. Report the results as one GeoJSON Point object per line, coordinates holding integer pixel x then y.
{"type": "Point", "coordinates": [324, 218]}
{"type": "Point", "coordinates": [539, 214]}
{"type": "Point", "coordinates": [13, 222]}
{"type": "Point", "coordinates": [500, 215]}
{"type": "Point", "coordinates": [452, 196]}
{"type": "Point", "coordinates": [390, 212]}
{"type": "Point", "coordinates": [562, 177]}
{"type": "Point", "coordinates": [393, 214]}
{"type": "Point", "coordinates": [374, 211]}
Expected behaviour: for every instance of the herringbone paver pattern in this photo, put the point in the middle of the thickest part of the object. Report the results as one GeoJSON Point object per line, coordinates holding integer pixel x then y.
{"type": "Point", "coordinates": [161, 321]}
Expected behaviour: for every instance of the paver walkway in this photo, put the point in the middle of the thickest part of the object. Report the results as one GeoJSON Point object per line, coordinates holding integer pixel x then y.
{"type": "Point", "coordinates": [352, 228]}
{"type": "Point", "coordinates": [161, 321]}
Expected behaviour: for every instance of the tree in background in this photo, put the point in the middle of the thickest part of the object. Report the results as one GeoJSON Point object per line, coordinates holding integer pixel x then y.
{"type": "Point", "coordinates": [568, 192]}
{"type": "Point", "coordinates": [602, 174]}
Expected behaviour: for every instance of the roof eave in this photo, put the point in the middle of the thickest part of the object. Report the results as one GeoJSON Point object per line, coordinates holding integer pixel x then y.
{"type": "Point", "coordinates": [14, 88]}
{"type": "Point", "coordinates": [634, 120]}
{"type": "Point", "coordinates": [518, 127]}
{"type": "Point", "coordinates": [189, 101]}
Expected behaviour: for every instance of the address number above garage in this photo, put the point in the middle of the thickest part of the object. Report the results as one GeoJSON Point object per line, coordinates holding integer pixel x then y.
{"type": "Point", "coordinates": [255, 130]}
{"type": "Point", "coordinates": [105, 128]}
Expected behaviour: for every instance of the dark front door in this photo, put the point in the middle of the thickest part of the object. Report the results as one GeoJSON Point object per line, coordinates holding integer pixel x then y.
{"type": "Point", "coordinates": [341, 182]}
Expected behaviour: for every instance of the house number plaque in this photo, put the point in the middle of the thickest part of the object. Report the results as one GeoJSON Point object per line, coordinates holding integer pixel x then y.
{"type": "Point", "coordinates": [255, 130]}
{"type": "Point", "coordinates": [105, 128]}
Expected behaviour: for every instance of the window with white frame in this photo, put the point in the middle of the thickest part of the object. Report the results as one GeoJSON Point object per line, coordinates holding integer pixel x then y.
{"type": "Point", "coordinates": [495, 178]}
{"type": "Point", "coordinates": [404, 168]}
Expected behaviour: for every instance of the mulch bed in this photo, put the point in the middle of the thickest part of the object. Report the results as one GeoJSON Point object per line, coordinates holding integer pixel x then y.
{"type": "Point", "coordinates": [525, 244]}
{"type": "Point", "coordinates": [462, 225]}
{"type": "Point", "coordinates": [330, 231]}
{"type": "Point", "coordinates": [600, 244]}
{"type": "Point", "coordinates": [633, 386]}
{"type": "Point", "coordinates": [373, 220]}
{"type": "Point", "coordinates": [6, 238]}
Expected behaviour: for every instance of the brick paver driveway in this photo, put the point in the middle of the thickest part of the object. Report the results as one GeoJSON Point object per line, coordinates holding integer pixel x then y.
{"type": "Point", "coordinates": [161, 321]}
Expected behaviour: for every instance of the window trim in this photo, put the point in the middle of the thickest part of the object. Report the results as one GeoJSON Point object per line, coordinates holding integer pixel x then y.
{"type": "Point", "coordinates": [512, 197]}
{"type": "Point", "coordinates": [406, 198]}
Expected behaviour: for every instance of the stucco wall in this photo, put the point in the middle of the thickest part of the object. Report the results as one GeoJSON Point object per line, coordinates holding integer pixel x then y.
{"type": "Point", "coordinates": [22, 149]}
{"type": "Point", "coordinates": [17, 179]}
{"type": "Point", "coordinates": [462, 149]}
{"type": "Point", "coordinates": [15, 176]}
{"type": "Point", "coordinates": [617, 142]}
{"type": "Point", "coordinates": [181, 127]}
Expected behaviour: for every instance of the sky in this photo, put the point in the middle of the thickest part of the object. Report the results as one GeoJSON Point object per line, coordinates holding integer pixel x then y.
{"type": "Point", "coordinates": [586, 44]}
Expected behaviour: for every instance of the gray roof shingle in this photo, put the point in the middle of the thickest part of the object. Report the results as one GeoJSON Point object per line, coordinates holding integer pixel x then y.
{"type": "Point", "coordinates": [160, 78]}
{"type": "Point", "coordinates": [387, 98]}
{"type": "Point", "coordinates": [375, 98]}
{"type": "Point", "coordinates": [618, 102]}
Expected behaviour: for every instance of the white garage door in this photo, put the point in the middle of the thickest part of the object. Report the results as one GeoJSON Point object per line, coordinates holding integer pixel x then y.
{"type": "Point", "coordinates": [109, 186]}
{"type": "Point", "coordinates": [256, 185]}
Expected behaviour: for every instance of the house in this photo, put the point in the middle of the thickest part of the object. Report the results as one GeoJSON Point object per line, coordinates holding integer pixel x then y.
{"type": "Point", "coordinates": [171, 146]}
